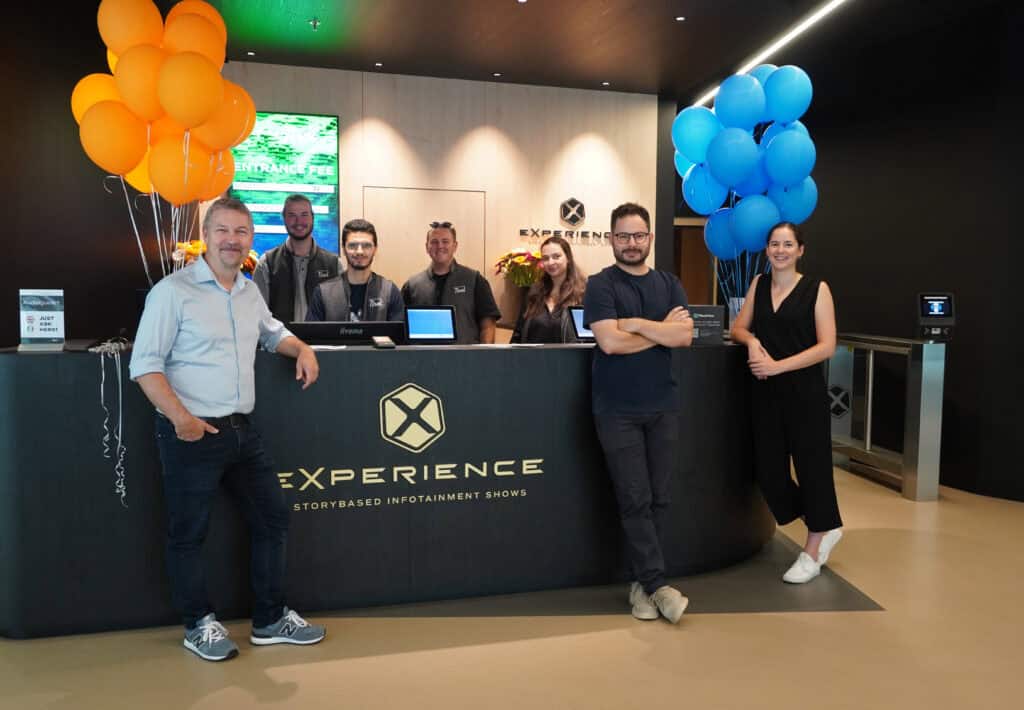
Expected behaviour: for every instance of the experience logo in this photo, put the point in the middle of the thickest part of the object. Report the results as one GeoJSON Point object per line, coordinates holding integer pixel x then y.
{"type": "Point", "coordinates": [411, 417]}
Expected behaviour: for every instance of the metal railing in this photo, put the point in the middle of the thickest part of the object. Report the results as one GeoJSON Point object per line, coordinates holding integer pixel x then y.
{"type": "Point", "coordinates": [915, 470]}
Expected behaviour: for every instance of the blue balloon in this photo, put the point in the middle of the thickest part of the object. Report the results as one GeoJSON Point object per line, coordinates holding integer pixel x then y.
{"type": "Point", "coordinates": [750, 221]}
{"type": "Point", "coordinates": [682, 163]}
{"type": "Point", "coordinates": [789, 158]}
{"type": "Point", "coordinates": [740, 102]}
{"type": "Point", "coordinates": [788, 93]}
{"type": "Point", "coordinates": [795, 203]}
{"type": "Point", "coordinates": [762, 72]}
{"type": "Point", "coordinates": [692, 132]}
{"type": "Point", "coordinates": [718, 235]}
{"type": "Point", "coordinates": [758, 182]}
{"type": "Point", "coordinates": [702, 192]}
{"type": "Point", "coordinates": [732, 156]}
{"type": "Point", "coordinates": [777, 128]}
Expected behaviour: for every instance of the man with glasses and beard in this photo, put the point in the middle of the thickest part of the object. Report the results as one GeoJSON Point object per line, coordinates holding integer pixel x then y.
{"type": "Point", "coordinates": [287, 275]}
{"type": "Point", "coordinates": [359, 294]}
{"type": "Point", "coordinates": [448, 283]}
{"type": "Point", "coordinates": [638, 315]}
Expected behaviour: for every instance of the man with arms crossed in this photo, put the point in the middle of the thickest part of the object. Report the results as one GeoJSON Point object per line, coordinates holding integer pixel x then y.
{"type": "Point", "coordinates": [358, 294]}
{"type": "Point", "coordinates": [194, 359]}
{"type": "Point", "coordinates": [286, 275]}
{"type": "Point", "coordinates": [448, 283]}
{"type": "Point", "coordinates": [638, 314]}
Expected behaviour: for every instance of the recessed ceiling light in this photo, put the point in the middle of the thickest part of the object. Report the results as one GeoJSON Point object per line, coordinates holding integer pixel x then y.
{"type": "Point", "coordinates": [378, 64]}
{"type": "Point", "coordinates": [251, 54]}
{"type": "Point", "coordinates": [680, 18]}
{"type": "Point", "coordinates": [521, 2]}
{"type": "Point", "coordinates": [497, 73]}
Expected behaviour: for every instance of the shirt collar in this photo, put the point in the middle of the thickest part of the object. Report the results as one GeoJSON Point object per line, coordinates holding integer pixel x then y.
{"type": "Point", "coordinates": [202, 273]}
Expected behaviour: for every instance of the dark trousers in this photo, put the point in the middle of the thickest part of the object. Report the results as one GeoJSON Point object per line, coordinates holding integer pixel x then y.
{"type": "Point", "coordinates": [640, 452]}
{"type": "Point", "coordinates": [192, 474]}
{"type": "Point", "coordinates": [791, 419]}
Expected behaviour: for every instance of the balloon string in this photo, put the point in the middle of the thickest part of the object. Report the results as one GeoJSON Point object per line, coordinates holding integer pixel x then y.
{"type": "Point", "coordinates": [159, 236]}
{"type": "Point", "coordinates": [185, 146]}
{"type": "Point", "coordinates": [135, 228]}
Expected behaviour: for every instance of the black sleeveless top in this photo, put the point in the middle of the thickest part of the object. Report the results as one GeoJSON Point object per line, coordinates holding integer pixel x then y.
{"type": "Point", "coordinates": [791, 329]}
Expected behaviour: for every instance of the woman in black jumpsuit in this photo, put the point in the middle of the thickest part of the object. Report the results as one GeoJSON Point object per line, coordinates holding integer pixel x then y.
{"type": "Point", "coordinates": [788, 325]}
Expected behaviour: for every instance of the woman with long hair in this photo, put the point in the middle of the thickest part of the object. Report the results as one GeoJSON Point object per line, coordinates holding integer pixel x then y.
{"type": "Point", "coordinates": [545, 316]}
{"type": "Point", "coordinates": [788, 324]}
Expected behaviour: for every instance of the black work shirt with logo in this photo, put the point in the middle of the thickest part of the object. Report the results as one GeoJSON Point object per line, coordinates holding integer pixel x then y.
{"type": "Point", "coordinates": [357, 300]}
{"type": "Point", "coordinates": [640, 383]}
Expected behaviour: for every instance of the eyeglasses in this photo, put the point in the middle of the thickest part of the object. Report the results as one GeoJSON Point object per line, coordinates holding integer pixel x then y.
{"type": "Point", "coordinates": [440, 225]}
{"type": "Point", "coordinates": [356, 246]}
{"type": "Point", "coordinates": [623, 238]}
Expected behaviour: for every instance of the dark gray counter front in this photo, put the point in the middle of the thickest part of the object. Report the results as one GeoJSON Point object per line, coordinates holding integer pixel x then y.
{"type": "Point", "coordinates": [509, 495]}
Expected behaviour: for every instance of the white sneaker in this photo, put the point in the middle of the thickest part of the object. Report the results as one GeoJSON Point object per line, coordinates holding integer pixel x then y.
{"type": "Point", "coordinates": [670, 602]}
{"type": "Point", "coordinates": [643, 607]}
{"type": "Point", "coordinates": [829, 541]}
{"type": "Point", "coordinates": [803, 570]}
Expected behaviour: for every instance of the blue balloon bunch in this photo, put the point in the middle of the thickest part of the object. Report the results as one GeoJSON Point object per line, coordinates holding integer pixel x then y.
{"type": "Point", "coordinates": [751, 148]}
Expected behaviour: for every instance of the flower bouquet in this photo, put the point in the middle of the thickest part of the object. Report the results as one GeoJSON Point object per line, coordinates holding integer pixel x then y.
{"type": "Point", "coordinates": [520, 266]}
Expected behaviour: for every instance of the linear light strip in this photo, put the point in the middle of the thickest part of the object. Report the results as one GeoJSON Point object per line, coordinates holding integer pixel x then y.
{"type": "Point", "coordinates": [797, 30]}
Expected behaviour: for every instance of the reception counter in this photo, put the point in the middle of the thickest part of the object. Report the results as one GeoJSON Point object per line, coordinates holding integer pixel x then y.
{"type": "Point", "coordinates": [413, 474]}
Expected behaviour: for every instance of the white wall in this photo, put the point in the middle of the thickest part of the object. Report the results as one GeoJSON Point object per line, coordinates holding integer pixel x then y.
{"type": "Point", "coordinates": [526, 148]}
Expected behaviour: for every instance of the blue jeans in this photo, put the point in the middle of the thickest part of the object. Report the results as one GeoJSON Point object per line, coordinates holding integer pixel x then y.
{"type": "Point", "coordinates": [640, 452]}
{"type": "Point", "coordinates": [193, 472]}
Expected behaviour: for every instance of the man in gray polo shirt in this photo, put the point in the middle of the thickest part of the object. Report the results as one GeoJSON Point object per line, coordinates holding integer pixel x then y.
{"type": "Point", "coordinates": [448, 283]}
{"type": "Point", "coordinates": [194, 358]}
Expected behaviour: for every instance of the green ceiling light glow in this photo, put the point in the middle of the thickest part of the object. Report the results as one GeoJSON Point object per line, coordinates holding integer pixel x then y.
{"type": "Point", "coordinates": [288, 25]}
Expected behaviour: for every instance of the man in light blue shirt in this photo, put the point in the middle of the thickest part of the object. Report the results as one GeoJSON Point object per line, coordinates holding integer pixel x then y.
{"type": "Point", "coordinates": [194, 358]}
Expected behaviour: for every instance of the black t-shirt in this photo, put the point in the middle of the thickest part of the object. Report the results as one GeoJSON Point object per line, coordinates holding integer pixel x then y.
{"type": "Point", "coordinates": [357, 299]}
{"type": "Point", "coordinates": [641, 383]}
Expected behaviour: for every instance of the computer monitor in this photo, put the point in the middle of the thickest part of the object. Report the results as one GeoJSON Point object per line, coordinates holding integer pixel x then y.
{"type": "Point", "coordinates": [430, 325]}
{"type": "Point", "coordinates": [347, 332]}
{"type": "Point", "coordinates": [584, 335]}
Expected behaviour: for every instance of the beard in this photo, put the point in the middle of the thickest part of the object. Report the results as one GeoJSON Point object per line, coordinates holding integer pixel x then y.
{"type": "Point", "coordinates": [632, 260]}
{"type": "Point", "coordinates": [360, 267]}
{"type": "Point", "coordinates": [300, 237]}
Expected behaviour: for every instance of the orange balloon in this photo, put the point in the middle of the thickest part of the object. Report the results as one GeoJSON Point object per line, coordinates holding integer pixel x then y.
{"type": "Point", "coordinates": [137, 72]}
{"type": "Point", "coordinates": [179, 175]}
{"type": "Point", "coordinates": [190, 88]}
{"type": "Point", "coordinates": [221, 175]}
{"type": "Point", "coordinates": [126, 23]}
{"type": "Point", "coordinates": [227, 122]}
{"type": "Point", "coordinates": [111, 60]}
{"type": "Point", "coordinates": [139, 176]}
{"type": "Point", "coordinates": [89, 91]}
{"type": "Point", "coordinates": [113, 137]}
{"type": "Point", "coordinates": [193, 33]}
{"type": "Point", "coordinates": [164, 127]}
{"type": "Point", "coordinates": [250, 119]}
{"type": "Point", "coordinates": [204, 9]}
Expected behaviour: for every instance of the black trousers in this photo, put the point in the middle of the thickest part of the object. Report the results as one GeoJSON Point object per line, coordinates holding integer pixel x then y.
{"type": "Point", "coordinates": [640, 452]}
{"type": "Point", "coordinates": [791, 419]}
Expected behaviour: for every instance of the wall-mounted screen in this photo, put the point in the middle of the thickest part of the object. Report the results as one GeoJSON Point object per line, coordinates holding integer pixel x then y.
{"type": "Point", "coordinates": [289, 153]}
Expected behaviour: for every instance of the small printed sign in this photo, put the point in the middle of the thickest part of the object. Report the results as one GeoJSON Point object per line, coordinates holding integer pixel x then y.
{"type": "Point", "coordinates": [42, 317]}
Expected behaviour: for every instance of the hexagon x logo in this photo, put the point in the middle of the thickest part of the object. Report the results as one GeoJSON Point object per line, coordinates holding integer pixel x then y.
{"type": "Point", "coordinates": [411, 417]}
{"type": "Point", "coordinates": [573, 211]}
{"type": "Point", "coordinates": [839, 401]}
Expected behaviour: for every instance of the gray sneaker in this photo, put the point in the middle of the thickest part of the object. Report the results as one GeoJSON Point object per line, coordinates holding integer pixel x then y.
{"type": "Point", "coordinates": [643, 607]}
{"type": "Point", "coordinates": [290, 628]}
{"type": "Point", "coordinates": [209, 640]}
{"type": "Point", "coordinates": [670, 602]}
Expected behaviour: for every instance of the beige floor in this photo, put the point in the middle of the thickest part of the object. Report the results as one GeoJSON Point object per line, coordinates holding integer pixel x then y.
{"type": "Point", "coordinates": [948, 574]}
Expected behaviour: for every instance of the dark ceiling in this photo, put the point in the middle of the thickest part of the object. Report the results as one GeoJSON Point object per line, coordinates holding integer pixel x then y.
{"type": "Point", "coordinates": [634, 45]}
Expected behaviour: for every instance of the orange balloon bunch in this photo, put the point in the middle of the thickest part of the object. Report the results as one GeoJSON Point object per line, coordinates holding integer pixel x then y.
{"type": "Point", "coordinates": [164, 119]}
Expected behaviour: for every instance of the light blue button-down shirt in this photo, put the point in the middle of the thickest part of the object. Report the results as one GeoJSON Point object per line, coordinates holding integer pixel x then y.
{"type": "Point", "coordinates": [203, 339]}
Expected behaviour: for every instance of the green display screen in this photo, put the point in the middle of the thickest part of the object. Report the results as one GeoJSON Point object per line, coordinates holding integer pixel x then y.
{"type": "Point", "coordinates": [289, 153]}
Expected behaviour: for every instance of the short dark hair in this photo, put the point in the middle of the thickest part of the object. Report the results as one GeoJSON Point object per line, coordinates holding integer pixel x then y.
{"type": "Point", "coordinates": [358, 225]}
{"type": "Point", "coordinates": [797, 234]}
{"type": "Point", "coordinates": [295, 198]}
{"type": "Point", "coordinates": [628, 208]}
{"type": "Point", "coordinates": [226, 203]}
{"type": "Point", "coordinates": [450, 228]}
